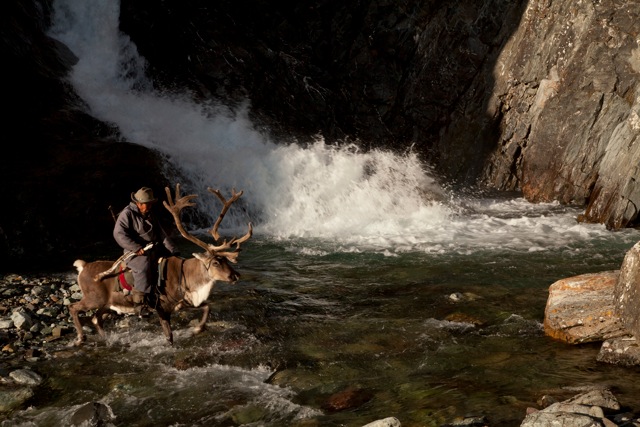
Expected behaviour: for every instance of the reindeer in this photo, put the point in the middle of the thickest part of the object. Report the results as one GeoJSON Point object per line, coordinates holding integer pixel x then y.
{"type": "Point", "coordinates": [188, 281]}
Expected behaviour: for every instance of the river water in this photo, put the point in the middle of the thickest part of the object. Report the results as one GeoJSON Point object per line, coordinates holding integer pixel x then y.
{"type": "Point", "coordinates": [422, 336]}
{"type": "Point", "coordinates": [364, 277]}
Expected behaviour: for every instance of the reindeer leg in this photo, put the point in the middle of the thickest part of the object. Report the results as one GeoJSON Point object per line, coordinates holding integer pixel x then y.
{"type": "Point", "coordinates": [203, 320]}
{"type": "Point", "coordinates": [74, 309]}
{"type": "Point", "coordinates": [165, 322]}
{"type": "Point", "coordinates": [98, 320]}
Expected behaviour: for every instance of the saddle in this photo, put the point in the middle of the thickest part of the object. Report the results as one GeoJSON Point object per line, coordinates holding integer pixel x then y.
{"type": "Point", "coordinates": [125, 277]}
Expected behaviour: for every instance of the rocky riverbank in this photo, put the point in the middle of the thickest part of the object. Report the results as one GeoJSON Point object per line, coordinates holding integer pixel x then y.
{"type": "Point", "coordinates": [34, 324]}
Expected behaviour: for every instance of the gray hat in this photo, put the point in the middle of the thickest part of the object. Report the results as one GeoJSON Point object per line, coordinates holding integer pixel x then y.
{"type": "Point", "coordinates": [143, 195]}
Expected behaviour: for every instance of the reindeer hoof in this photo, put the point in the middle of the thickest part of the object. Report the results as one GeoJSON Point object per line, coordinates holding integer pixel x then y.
{"type": "Point", "coordinates": [79, 340]}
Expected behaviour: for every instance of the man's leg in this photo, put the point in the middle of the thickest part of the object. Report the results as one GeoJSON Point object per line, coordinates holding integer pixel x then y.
{"type": "Point", "coordinates": [142, 278]}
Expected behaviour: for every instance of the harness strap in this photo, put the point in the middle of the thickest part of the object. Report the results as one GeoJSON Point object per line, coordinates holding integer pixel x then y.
{"type": "Point", "coordinates": [123, 280]}
{"type": "Point", "coordinates": [180, 290]}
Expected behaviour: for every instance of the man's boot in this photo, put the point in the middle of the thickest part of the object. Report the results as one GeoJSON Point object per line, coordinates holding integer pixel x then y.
{"type": "Point", "coordinates": [138, 300]}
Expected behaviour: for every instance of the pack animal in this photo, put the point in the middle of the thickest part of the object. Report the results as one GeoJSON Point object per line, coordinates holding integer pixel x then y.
{"type": "Point", "coordinates": [188, 282]}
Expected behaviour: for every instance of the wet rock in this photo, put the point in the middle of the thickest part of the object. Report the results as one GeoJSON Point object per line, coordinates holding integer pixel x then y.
{"type": "Point", "coordinates": [569, 419]}
{"type": "Point", "coordinates": [248, 414]}
{"type": "Point", "coordinates": [93, 414]}
{"type": "Point", "coordinates": [22, 318]}
{"type": "Point", "coordinates": [385, 422]}
{"type": "Point", "coordinates": [26, 377]}
{"type": "Point", "coordinates": [580, 309]}
{"type": "Point", "coordinates": [586, 409]}
{"type": "Point", "coordinates": [469, 422]}
{"type": "Point", "coordinates": [624, 351]}
{"type": "Point", "coordinates": [349, 398]}
{"type": "Point", "coordinates": [602, 398]}
{"type": "Point", "coordinates": [13, 397]}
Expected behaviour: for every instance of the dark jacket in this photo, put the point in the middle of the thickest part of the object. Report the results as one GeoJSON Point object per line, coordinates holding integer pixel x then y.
{"type": "Point", "coordinates": [132, 231]}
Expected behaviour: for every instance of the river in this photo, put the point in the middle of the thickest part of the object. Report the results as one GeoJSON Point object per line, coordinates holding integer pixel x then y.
{"type": "Point", "coordinates": [364, 275]}
{"type": "Point", "coordinates": [425, 337]}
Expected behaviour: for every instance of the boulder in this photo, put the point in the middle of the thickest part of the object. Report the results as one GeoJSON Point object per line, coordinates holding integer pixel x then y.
{"type": "Point", "coordinates": [587, 409]}
{"type": "Point", "coordinates": [580, 309]}
{"type": "Point", "coordinates": [627, 291]}
{"type": "Point", "coordinates": [623, 351]}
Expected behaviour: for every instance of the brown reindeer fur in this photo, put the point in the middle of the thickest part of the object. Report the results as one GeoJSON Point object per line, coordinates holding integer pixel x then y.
{"type": "Point", "coordinates": [188, 283]}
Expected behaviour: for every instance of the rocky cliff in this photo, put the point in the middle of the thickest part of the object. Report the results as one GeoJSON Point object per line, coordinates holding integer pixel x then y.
{"type": "Point", "coordinates": [534, 96]}
{"type": "Point", "coordinates": [565, 97]}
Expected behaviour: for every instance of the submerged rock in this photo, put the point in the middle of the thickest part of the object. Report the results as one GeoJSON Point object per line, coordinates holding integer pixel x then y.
{"type": "Point", "coordinates": [92, 414]}
{"type": "Point", "coordinates": [13, 397]}
{"type": "Point", "coordinates": [349, 398]}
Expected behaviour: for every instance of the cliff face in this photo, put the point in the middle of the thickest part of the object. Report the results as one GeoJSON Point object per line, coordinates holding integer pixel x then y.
{"type": "Point", "coordinates": [566, 97]}
{"type": "Point", "coordinates": [537, 96]}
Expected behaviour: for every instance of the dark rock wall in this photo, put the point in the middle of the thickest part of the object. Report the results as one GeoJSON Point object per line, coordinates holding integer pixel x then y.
{"type": "Point", "coordinates": [385, 72]}
{"type": "Point", "coordinates": [537, 96]}
{"type": "Point", "coordinates": [566, 94]}
{"type": "Point", "coordinates": [61, 169]}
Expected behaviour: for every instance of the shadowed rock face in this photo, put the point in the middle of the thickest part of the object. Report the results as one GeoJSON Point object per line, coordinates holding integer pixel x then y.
{"type": "Point", "coordinates": [536, 96]}
{"type": "Point", "coordinates": [566, 96]}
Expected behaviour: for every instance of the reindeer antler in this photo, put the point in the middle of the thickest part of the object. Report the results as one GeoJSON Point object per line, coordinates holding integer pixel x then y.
{"type": "Point", "coordinates": [227, 204]}
{"type": "Point", "coordinates": [184, 201]}
{"type": "Point", "coordinates": [176, 208]}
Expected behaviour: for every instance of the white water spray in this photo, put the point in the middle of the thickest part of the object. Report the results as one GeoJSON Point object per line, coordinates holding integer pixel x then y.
{"type": "Point", "coordinates": [374, 199]}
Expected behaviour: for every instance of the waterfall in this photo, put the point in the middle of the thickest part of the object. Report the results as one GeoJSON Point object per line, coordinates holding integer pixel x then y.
{"type": "Point", "coordinates": [314, 191]}
{"type": "Point", "coordinates": [342, 194]}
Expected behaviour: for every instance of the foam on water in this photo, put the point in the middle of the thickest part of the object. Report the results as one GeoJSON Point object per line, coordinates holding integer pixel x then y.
{"type": "Point", "coordinates": [362, 200]}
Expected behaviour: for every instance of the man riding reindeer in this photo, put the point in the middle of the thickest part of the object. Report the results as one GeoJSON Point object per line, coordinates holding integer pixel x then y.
{"type": "Point", "coordinates": [139, 232]}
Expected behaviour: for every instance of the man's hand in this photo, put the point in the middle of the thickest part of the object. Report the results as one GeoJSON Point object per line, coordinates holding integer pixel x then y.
{"type": "Point", "coordinates": [141, 251]}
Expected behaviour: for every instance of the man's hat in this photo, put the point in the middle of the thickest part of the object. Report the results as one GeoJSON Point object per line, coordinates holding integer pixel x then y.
{"type": "Point", "coordinates": [143, 195]}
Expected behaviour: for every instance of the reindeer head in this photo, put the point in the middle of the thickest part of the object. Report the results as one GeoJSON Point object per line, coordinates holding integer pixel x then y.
{"type": "Point", "coordinates": [218, 268]}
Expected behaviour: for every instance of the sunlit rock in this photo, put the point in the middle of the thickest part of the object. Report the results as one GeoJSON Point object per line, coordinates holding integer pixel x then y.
{"type": "Point", "coordinates": [581, 309]}
{"type": "Point", "coordinates": [627, 291]}
{"type": "Point", "coordinates": [385, 422]}
{"type": "Point", "coordinates": [624, 351]}
{"type": "Point", "coordinates": [601, 398]}
{"type": "Point", "coordinates": [585, 409]}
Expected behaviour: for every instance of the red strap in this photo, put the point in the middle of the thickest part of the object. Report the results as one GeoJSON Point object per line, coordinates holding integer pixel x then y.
{"type": "Point", "coordinates": [123, 280]}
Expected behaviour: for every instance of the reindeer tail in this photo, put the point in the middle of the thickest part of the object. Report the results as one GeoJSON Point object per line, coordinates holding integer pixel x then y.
{"type": "Point", "coordinates": [79, 265]}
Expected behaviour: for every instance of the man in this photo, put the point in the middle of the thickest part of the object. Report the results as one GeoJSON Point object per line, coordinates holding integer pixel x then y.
{"type": "Point", "coordinates": [135, 228]}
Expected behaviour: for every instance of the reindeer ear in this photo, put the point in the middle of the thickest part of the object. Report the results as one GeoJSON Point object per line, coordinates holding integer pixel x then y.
{"type": "Point", "coordinates": [204, 256]}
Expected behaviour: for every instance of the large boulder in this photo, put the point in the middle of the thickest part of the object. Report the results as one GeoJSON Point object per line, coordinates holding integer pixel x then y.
{"type": "Point", "coordinates": [580, 309]}
{"type": "Point", "coordinates": [627, 291]}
